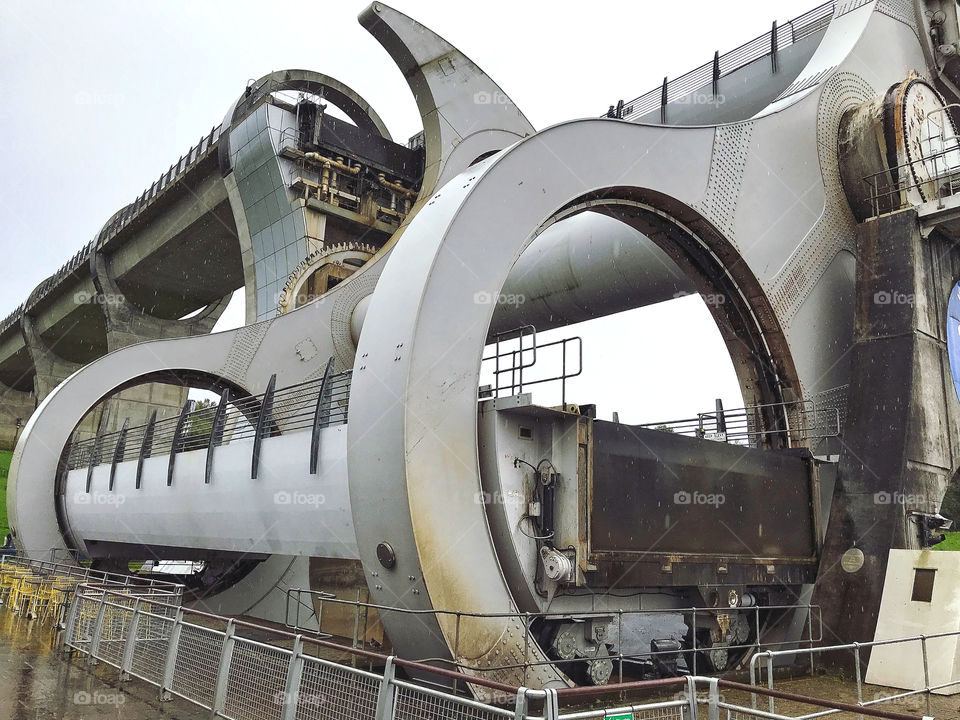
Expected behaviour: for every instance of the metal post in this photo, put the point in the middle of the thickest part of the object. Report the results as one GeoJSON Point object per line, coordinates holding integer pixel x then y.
{"type": "Point", "coordinates": [926, 670]}
{"type": "Point", "coordinates": [97, 631]}
{"type": "Point", "coordinates": [223, 670]}
{"type": "Point", "coordinates": [692, 697]}
{"type": "Point", "coordinates": [693, 624]}
{"type": "Point", "coordinates": [520, 708]}
{"type": "Point", "coordinates": [856, 662]}
{"type": "Point", "coordinates": [291, 689]}
{"type": "Point", "coordinates": [713, 699]}
{"type": "Point", "coordinates": [551, 705]}
{"type": "Point", "coordinates": [620, 645]}
{"type": "Point", "coordinates": [170, 663]}
{"type": "Point", "coordinates": [126, 664]}
{"type": "Point", "coordinates": [770, 680]}
{"type": "Point", "coordinates": [385, 696]}
{"type": "Point", "coordinates": [71, 626]}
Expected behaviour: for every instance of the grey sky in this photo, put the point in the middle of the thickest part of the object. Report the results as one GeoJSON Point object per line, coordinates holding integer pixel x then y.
{"type": "Point", "coordinates": [99, 98]}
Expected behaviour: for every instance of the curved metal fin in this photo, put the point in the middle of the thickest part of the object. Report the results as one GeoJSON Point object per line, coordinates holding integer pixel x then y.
{"type": "Point", "coordinates": [318, 419]}
{"type": "Point", "coordinates": [119, 451]}
{"type": "Point", "coordinates": [216, 432]}
{"type": "Point", "coordinates": [177, 437]}
{"type": "Point", "coordinates": [456, 99]}
{"type": "Point", "coordinates": [263, 425]}
{"type": "Point", "coordinates": [146, 447]}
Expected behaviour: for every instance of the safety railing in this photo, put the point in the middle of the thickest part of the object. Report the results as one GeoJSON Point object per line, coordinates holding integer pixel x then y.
{"type": "Point", "coordinates": [513, 354]}
{"type": "Point", "coordinates": [314, 404]}
{"type": "Point", "coordinates": [243, 671]}
{"type": "Point", "coordinates": [764, 661]}
{"type": "Point", "coordinates": [769, 44]}
{"type": "Point", "coordinates": [755, 424]}
{"type": "Point", "coordinates": [305, 613]}
{"type": "Point", "coordinates": [171, 590]}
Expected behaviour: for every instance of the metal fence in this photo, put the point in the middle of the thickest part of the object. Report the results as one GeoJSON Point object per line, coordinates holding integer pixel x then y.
{"type": "Point", "coordinates": [171, 590]}
{"type": "Point", "coordinates": [753, 425]}
{"type": "Point", "coordinates": [217, 664]}
{"type": "Point", "coordinates": [764, 661]}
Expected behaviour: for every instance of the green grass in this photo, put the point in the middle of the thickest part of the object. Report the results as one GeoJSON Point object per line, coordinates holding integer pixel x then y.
{"type": "Point", "coordinates": [951, 543]}
{"type": "Point", "coordinates": [4, 467]}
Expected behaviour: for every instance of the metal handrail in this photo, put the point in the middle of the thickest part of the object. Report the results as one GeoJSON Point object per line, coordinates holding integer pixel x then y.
{"type": "Point", "coordinates": [855, 648]}
{"type": "Point", "coordinates": [788, 33]}
{"type": "Point", "coordinates": [105, 624]}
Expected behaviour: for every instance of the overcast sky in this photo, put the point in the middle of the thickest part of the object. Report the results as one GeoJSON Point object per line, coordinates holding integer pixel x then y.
{"type": "Point", "coordinates": [98, 98]}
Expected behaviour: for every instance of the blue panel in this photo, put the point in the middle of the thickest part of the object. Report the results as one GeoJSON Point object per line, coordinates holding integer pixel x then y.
{"type": "Point", "coordinates": [953, 336]}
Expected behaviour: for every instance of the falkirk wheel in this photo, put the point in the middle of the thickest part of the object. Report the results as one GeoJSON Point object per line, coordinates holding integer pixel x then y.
{"type": "Point", "coordinates": [354, 448]}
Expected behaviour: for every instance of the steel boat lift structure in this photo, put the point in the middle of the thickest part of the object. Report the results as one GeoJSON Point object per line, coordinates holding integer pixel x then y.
{"type": "Point", "coordinates": [359, 439]}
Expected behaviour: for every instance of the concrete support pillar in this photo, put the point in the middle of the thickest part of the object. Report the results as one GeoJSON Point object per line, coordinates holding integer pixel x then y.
{"type": "Point", "coordinates": [126, 324]}
{"type": "Point", "coordinates": [14, 405]}
{"type": "Point", "coordinates": [900, 442]}
{"type": "Point", "coordinates": [50, 370]}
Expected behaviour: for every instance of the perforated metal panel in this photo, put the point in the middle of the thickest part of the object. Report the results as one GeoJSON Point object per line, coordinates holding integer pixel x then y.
{"type": "Point", "coordinates": [731, 147]}
{"type": "Point", "coordinates": [836, 228]}
{"type": "Point", "coordinates": [245, 345]}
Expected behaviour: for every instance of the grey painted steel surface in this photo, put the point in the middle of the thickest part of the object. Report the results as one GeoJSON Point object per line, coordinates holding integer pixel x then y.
{"type": "Point", "coordinates": [755, 207]}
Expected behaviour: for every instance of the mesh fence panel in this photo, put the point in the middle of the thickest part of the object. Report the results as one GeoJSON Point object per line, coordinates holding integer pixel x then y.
{"type": "Point", "coordinates": [150, 647]}
{"type": "Point", "coordinates": [329, 692]}
{"type": "Point", "coordinates": [84, 621]}
{"type": "Point", "coordinates": [198, 657]}
{"type": "Point", "coordinates": [257, 680]}
{"type": "Point", "coordinates": [412, 704]}
{"type": "Point", "coordinates": [113, 633]}
{"type": "Point", "coordinates": [670, 713]}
